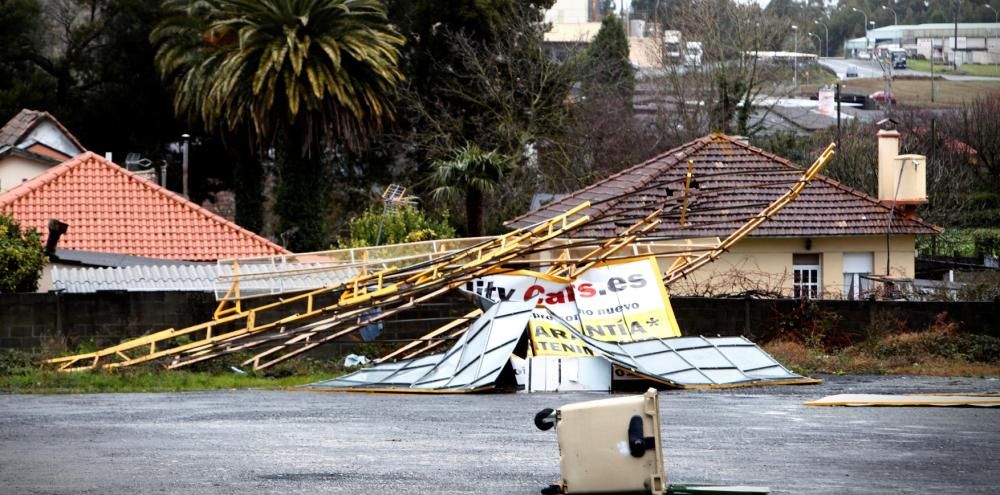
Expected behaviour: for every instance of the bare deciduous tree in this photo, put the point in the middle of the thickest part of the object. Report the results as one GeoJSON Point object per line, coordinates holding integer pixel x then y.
{"type": "Point", "coordinates": [722, 91]}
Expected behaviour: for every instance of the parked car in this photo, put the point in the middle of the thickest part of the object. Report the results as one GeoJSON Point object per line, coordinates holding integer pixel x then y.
{"type": "Point", "coordinates": [852, 71]}
{"type": "Point", "coordinates": [881, 97]}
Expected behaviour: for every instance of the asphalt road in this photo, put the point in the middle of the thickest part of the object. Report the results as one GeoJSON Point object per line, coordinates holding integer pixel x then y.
{"type": "Point", "coordinates": [311, 442]}
{"type": "Point", "coordinates": [871, 69]}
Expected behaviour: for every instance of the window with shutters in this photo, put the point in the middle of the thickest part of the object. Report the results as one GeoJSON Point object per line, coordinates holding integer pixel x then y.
{"type": "Point", "coordinates": [856, 265]}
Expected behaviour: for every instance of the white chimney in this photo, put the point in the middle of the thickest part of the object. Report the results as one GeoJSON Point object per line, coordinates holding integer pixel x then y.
{"type": "Point", "coordinates": [902, 179]}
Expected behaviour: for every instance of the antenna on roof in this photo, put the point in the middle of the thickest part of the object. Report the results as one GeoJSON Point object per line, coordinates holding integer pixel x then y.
{"type": "Point", "coordinates": [393, 197]}
{"type": "Point", "coordinates": [133, 161]}
{"type": "Point", "coordinates": [143, 167]}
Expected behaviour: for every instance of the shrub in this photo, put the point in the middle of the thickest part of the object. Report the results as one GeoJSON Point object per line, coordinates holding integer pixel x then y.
{"type": "Point", "coordinates": [21, 257]}
{"type": "Point", "coordinates": [940, 339]}
{"type": "Point", "coordinates": [810, 325]}
{"type": "Point", "coordinates": [15, 362]}
{"type": "Point", "coordinates": [407, 224]}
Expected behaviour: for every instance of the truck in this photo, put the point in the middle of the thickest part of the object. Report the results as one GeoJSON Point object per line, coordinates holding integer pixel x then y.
{"type": "Point", "coordinates": [672, 47]}
{"type": "Point", "coordinates": [898, 58]}
{"type": "Point", "coordinates": [692, 53]}
{"type": "Point", "coordinates": [678, 52]}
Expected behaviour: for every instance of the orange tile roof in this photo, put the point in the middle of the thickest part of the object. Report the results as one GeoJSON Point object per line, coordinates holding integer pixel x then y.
{"type": "Point", "coordinates": [112, 210]}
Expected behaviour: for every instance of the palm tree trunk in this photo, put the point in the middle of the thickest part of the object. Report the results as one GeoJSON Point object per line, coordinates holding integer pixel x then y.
{"type": "Point", "coordinates": [302, 201]}
{"type": "Point", "coordinates": [249, 185]}
{"type": "Point", "coordinates": [474, 212]}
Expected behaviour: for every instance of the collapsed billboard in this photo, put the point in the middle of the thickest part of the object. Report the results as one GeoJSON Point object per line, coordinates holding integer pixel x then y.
{"type": "Point", "coordinates": [615, 311]}
{"type": "Point", "coordinates": [619, 301]}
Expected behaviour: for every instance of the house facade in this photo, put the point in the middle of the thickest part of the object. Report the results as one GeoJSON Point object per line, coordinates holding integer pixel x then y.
{"type": "Point", "coordinates": [31, 143]}
{"type": "Point", "coordinates": [820, 246]}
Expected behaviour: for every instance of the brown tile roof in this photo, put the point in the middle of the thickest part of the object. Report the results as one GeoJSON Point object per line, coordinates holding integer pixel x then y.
{"type": "Point", "coordinates": [21, 124]}
{"type": "Point", "coordinates": [111, 210]}
{"type": "Point", "coordinates": [735, 181]}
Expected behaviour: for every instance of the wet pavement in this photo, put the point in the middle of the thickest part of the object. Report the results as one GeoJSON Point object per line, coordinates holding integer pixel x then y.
{"type": "Point", "coordinates": [311, 442]}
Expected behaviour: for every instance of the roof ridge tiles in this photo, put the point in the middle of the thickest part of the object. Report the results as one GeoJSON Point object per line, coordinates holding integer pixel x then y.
{"type": "Point", "coordinates": [724, 163]}
{"type": "Point", "coordinates": [678, 152]}
{"type": "Point", "coordinates": [834, 183]}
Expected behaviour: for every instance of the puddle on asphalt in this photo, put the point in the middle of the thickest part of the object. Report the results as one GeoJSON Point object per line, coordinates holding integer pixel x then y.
{"type": "Point", "coordinates": [303, 476]}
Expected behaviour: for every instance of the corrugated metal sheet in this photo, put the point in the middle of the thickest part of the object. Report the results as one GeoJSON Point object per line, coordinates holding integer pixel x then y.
{"type": "Point", "coordinates": [194, 277]}
{"type": "Point", "coordinates": [476, 360]}
{"type": "Point", "coordinates": [473, 363]}
{"type": "Point", "coordinates": [692, 362]}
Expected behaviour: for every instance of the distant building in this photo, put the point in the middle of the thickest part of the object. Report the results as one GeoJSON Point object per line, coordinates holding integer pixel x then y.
{"type": "Point", "coordinates": [978, 42]}
{"type": "Point", "coordinates": [576, 22]}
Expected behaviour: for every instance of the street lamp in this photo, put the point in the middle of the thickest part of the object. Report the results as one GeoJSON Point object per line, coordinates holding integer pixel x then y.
{"type": "Point", "coordinates": [855, 9]}
{"type": "Point", "coordinates": [827, 51]}
{"type": "Point", "coordinates": [819, 43]}
{"type": "Point", "coordinates": [996, 16]}
{"type": "Point", "coordinates": [895, 19]}
{"type": "Point", "coordinates": [795, 57]}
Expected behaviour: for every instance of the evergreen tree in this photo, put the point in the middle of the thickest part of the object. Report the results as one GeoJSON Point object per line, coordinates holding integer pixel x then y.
{"type": "Point", "coordinates": [607, 60]}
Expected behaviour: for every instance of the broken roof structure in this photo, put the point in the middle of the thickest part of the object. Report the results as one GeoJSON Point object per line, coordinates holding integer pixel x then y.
{"type": "Point", "coordinates": [112, 210]}
{"type": "Point", "coordinates": [731, 181]}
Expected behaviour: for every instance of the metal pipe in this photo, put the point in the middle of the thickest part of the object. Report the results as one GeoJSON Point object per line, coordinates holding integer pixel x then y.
{"type": "Point", "coordinates": [184, 163]}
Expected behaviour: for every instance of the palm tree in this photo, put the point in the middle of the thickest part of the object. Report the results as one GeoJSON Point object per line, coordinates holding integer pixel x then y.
{"type": "Point", "coordinates": [298, 75]}
{"type": "Point", "coordinates": [474, 173]}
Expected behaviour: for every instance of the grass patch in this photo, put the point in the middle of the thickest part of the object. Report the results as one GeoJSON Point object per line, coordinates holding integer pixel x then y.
{"type": "Point", "coordinates": [21, 373]}
{"type": "Point", "coordinates": [917, 92]}
{"type": "Point", "coordinates": [938, 351]}
{"type": "Point", "coordinates": [963, 70]}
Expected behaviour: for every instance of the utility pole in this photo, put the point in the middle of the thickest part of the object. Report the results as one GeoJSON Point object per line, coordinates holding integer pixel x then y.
{"type": "Point", "coordinates": [931, 58]}
{"type": "Point", "coordinates": [954, 52]}
{"type": "Point", "coordinates": [795, 59]}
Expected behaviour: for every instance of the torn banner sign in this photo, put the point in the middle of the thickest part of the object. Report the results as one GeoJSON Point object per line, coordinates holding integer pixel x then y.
{"type": "Point", "coordinates": [620, 301]}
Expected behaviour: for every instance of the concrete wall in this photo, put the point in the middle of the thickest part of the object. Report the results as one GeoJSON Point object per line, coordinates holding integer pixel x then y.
{"type": "Point", "coordinates": [759, 319]}
{"type": "Point", "coordinates": [569, 11]}
{"type": "Point", "coordinates": [756, 263]}
{"type": "Point", "coordinates": [37, 321]}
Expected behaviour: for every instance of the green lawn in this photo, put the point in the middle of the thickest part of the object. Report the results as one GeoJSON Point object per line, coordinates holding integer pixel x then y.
{"type": "Point", "coordinates": [22, 373]}
{"type": "Point", "coordinates": [84, 382]}
{"type": "Point", "coordinates": [965, 70]}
